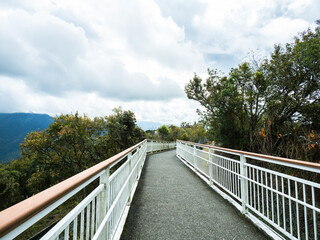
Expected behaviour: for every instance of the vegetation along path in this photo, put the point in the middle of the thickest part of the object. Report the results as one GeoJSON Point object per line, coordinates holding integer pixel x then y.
{"type": "Point", "coordinates": [171, 202]}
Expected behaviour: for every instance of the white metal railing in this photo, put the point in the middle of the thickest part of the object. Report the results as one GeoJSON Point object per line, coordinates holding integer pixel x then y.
{"type": "Point", "coordinates": [101, 215]}
{"type": "Point", "coordinates": [283, 205]}
{"type": "Point", "coordinates": [155, 146]}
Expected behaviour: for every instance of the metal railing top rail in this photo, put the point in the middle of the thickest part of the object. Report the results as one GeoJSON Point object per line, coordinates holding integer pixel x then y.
{"type": "Point", "coordinates": [159, 141]}
{"type": "Point", "coordinates": [19, 213]}
{"type": "Point", "coordinates": [261, 156]}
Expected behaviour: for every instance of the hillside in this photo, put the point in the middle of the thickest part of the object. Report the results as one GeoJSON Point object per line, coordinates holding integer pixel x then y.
{"type": "Point", "coordinates": [13, 129]}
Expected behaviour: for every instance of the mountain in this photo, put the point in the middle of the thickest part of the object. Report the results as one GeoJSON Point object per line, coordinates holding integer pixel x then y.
{"type": "Point", "coordinates": [13, 129]}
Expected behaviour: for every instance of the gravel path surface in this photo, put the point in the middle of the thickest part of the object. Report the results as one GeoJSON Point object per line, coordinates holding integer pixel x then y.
{"type": "Point", "coordinates": [171, 202]}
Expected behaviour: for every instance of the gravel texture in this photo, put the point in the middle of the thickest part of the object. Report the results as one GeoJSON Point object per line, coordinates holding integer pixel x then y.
{"type": "Point", "coordinates": [171, 202]}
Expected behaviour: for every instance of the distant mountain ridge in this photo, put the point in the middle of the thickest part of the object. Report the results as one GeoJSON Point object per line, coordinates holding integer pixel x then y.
{"type": "Point", "coordinates": [13, 129]}
{"type": "Point", "coordinates": [15, 126]}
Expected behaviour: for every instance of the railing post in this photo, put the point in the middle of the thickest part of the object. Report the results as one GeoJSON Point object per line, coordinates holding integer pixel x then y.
{"type": "Point", "coordinates": [194, 157]}
{"type": "Point", "coordinates": [104, 202]}
{"type": "Point", "coordinates": [210, 166]}
{"type": "Point", "coordinates": [151, 143]}
{"type": "Point", "coordinates": [130, 183]}
{"type": "Point", "coordinates": [244, 183]}
{"type": "Point", "coordinates": [177, 148]}
{"type": "Point", "coordinates": [140, 157]}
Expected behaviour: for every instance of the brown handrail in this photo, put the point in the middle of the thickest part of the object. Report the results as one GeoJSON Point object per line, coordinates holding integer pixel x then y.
{"type": "Point", "coordinates": [19, 213]}
{"type": "Point", "coordinates": [279, 159]}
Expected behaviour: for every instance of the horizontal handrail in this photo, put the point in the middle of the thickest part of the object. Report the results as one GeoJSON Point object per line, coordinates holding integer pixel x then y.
{"type": "Point", "coordinates": [16, 215]}
{"type": "Point", "coordinates": [258, 155]}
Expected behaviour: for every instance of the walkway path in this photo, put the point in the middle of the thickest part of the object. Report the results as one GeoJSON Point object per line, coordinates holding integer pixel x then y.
{"type": "Point", "coordinates": [171, 202]}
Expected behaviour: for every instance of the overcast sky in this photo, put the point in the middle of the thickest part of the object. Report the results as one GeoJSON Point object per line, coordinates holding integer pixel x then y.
{"type": "Point", "coordinates": [92, 56]}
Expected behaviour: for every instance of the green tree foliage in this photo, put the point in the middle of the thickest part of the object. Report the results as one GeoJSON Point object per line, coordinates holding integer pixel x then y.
{"type": "Point", "coordinates": [71, 144]}
{"type": "Point", "coordinates": [272, 108]}
{"type": "Point", "coordinates": [164, 132]}
{"type": "Point", "coordinates": [187, 132]}
{"type": "Point", "coordinates": [233, 104]}
{"type": "Point", "coordinates": [122, 129]}
{"type": "Point", "coordinates": [195, 133]}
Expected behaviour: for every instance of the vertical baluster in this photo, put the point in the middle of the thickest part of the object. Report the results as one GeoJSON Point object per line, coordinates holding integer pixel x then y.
{"type": "Point", "coordinates": [194, 157]}
{"type": "Point", "coordinates": [66, 233]}
{"type": "Point", "coordinates": [81, 225]}
{"type": "Point", "coordinates": [130, 166]}
{"type": "Point", "coordinates": [271, 192]}
{"type": "Point", "coordinates": [290, 210]}
{"type": "Point", "coordinates": [88, 223]}
{"type": "Point", "coordinates": [223, 172]}
{"type": "Point", "coordinates": [250, 186]}
{"type": "Point", "coordinates": [210, 165]}
{"type": "Point", "coordinates": [262, 191]}
{"type": "Point", "coordinates": [283, 205]}
{"type": "Point", "coordinates": [226, 174]}
{"type": "Point", "coordinates": [230, 176]}
{"type": "Point", "coordinates": [75, 227]}
{"type": "Point", "coordinates": [238, 178]}
{"type": "Point", "coordinates": [258, 188]}
{"type": "Point", "coordinates": [214, 168]}
{"type": "Point", "coordinates": [254, 188]}
{"type": "Point", "coordinates": [98, 213]}
{"type": "Point", "coordinates": [267, 194]}
{"type": "Point", "coordinates": [93, 217]}
{"type": "Point", "coordinates": [297, 209]}
{"type": "Point", "coordinates": [305, 211]}
{"type": "Point", "coordinates": [314, 214]}
{"type": "Point", "coordinates": [278, 215]}
{"type": "Point", "coordinates": [244, 184]}
{"type": "Point", "coordinates": [233, 179]}
{"type": "Point", "coordinates": [103, 200]}
{"type": "Point", "coordinates": [218, 170]}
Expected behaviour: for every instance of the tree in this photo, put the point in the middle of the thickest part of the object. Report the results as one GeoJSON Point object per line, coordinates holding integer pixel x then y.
{"type": "Point", "coordinates": [9, 186]}
{"type": "Point", "coordinates": [293, 102]}
{"type": "Point", "coordinates": [164, 132]}
{"type": "Point", "coordinates": [71, 144]}
{"type": "Point", "coordinates": [65, 148]}
{"type": "Point", "coordinates": [270, 107]}
{"type": "Point", "coordinates": [122, 129]}
{"type": "Point", "coordinates": [233, 104]}
{"type": "Point", "coordinates": [196, 133]}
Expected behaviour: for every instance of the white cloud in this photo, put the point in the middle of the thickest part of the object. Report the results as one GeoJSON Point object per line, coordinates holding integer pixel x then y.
{"type": "Point", "coordinates": [61, 56]}
{"type": "Point", "coordinates": [15, 96]}
{"type": "Point", "coordinates": [283, 29]}
{"type": "Point", "coordinates": [235, 27]}
{"type": "Point", "coordinates": [56, 56]}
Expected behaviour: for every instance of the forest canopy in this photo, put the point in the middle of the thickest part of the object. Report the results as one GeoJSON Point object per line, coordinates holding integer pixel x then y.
{"type": "Point", "coordinates": [270, 106]}
{"type": "Point", "coordinates": [71, 144]}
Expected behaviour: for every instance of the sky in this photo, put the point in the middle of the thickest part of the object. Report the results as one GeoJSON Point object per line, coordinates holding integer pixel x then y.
{"type": "Point", "coordinates": [59, 57]}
